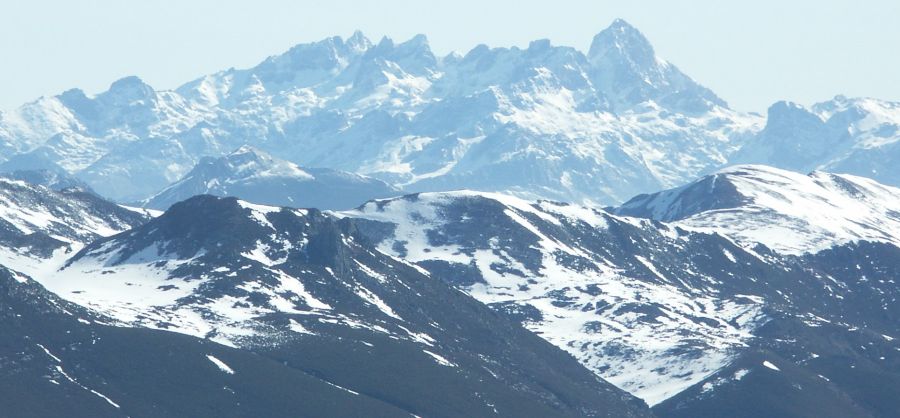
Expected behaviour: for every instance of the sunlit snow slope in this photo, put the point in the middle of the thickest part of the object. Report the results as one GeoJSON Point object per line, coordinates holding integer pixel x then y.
{"type": "Point", "coordinates": [266, 279]}
{"type": "Point", "coordinates": [37, 223]}
{"type": "Point", "coordinates": [789, 212]}
{"type": "Point", "coordinates": [624, 296]}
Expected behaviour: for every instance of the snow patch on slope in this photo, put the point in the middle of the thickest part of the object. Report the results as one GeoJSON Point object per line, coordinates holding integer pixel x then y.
{"type": "Point", "coordinates": [220, 364]}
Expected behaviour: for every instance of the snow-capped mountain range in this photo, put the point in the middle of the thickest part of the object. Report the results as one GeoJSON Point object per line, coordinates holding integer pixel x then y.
{"type": "Point", "coordinates": [545, 121]}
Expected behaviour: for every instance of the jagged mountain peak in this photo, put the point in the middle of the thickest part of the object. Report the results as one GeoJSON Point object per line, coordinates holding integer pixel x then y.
{"type": "Point", "coordinates": [626, 67]}
{"type": "Point", "coordinates": [358, 41]}
{"type": "Point", "coordinates": [848, 110]}
{"type": "Point", "coordinates": [129, 82]}
{"type": "Point", "coordinates": [413, 56]}
{"type": "Point", "coordinates": [130, 87]}
{"type": "Point", "coordinates": [248, 151]}
{"type": "Point", "coordinates": [623, 38]}
{"type": "Point", "coordinates": [308, 64]}
{"type": "Point", "coordinates": [539, 45]}
{"type": "Point", "coordinates": [72, 97]}
{"type": "Point", "coordinates": [336, 45]}
{"type": "Point", "coordinates": [477, 51]}
{"type": "Point", "coordinates": [387, 44]}
{"type": "Point", "coordinates": [419, 40]}
{"type": "Point", "coordinates": [384, 44]}
{"type": "Point", "coordinates": [787, 112]}
{"type": "Point", "coordinates": [622, 25]}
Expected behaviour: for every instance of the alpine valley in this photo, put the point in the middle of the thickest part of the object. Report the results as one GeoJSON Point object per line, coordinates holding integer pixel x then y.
{"type": "Point", "coordinates": [367, 229]}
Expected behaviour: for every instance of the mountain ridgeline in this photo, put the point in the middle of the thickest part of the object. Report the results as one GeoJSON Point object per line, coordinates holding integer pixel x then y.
{"type": "Point", "coordinates": [247, 291]}
{"type": "Point", "coordinates": [544, 121]}
{"type": "Point", "coordinates": [358, 228]}
{"type": "Point", "coordinates": [436, 293]}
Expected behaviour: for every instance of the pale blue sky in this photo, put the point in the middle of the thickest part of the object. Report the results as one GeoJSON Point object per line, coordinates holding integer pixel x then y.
{"type": "Point", "coordinates": [751, 53]}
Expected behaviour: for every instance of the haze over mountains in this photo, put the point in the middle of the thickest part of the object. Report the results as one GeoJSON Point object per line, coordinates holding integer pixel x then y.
{"type": "Point", "coordinates": [542, 122]}
{"type": "Point", "coordinates": [625, 240]}
{"type": "Point", "coordinates": [258, 177]}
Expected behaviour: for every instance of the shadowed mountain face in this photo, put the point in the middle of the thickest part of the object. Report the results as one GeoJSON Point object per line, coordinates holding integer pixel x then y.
{"type": "Point", "coordinates": [306, 290]}
{"type": "Point", "coordinates": [276, 312]}
{"type": "Point", "coordinates": [60, 359]}
{"type": "Point", "coordinates": [800, 369]}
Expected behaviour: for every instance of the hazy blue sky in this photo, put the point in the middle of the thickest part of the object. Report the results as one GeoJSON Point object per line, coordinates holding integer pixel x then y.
{"type": "Point", "coordinates": [751, 53]}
